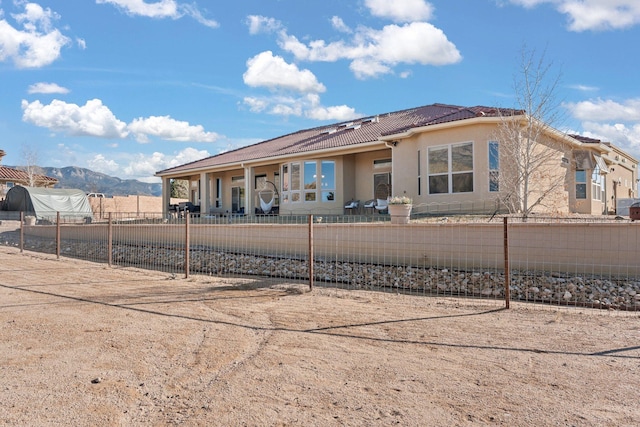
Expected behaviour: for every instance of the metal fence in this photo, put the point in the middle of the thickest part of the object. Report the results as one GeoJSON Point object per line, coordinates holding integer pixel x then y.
{"type": "Point", "coordinates": [583, 262]}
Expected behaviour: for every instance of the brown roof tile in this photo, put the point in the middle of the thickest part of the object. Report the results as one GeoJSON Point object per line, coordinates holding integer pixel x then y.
{"type": "Point", "coordinates": [343, 134]}
{"type": "Point", "coordinates": [11, 174]}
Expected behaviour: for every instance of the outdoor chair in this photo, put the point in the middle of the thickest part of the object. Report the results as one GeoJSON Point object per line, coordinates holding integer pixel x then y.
{"type": "Point", "coordinates": [369, 206]}
{"type": "Point", "coordinates": [352, 206]}
{"type": "Point", "coordinates": [381, 205]}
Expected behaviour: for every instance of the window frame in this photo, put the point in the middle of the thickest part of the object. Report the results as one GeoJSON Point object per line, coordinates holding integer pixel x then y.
{"type": "Point", "coordinates": [452, 176]}
{"type": "Point", "coordinates": [312, 185]}
{"type": "Point", "coordinates": [494, 172]}
{"type": "Point", "coordinates": [582, 182]}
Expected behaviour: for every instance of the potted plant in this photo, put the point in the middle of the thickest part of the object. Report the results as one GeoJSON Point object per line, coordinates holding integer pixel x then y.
{"type": "Point", "coordinates": [400, 209]}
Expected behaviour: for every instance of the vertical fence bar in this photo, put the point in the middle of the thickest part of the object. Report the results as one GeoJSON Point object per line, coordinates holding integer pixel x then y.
{"type": "Point", "coordinates": [21, 232]}
{"type": "Point", "coordinates": [507, 278]}
{"type": "Point", "coordinates": [109, 240]}
{"type": "Point", "coordinates": [310, 252]}
{"type": "Point", "coordinates": [58, 242]}
{"type": "Point", "coordinates": [187, 238]}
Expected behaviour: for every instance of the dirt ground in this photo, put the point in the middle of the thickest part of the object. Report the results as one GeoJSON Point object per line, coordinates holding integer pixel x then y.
{"type": "Point", "coordinates": [82, 344]}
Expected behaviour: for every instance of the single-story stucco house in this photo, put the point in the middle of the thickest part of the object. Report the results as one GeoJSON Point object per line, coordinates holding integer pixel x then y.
{"type": "Point", "coordinates": [447, 158]}
{"type": "Point", "coordinates": [10, 177]}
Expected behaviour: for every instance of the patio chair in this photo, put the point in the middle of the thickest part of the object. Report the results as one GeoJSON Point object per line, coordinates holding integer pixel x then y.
{"type": "Point", "coordinates": [382, 205]}
{"type": "Point", "coordinates": [369, 206]}
{"type": "Point", "coordinates": [352, 206]}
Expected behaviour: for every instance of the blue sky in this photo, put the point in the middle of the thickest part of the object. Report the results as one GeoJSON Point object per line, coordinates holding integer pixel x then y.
{"type": "Point", "coordinates": [131, 87]}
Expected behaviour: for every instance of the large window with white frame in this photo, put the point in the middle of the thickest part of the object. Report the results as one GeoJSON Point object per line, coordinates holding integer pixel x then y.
{"type": "Point", "coordinates": [450, 168]}
{"type": "Point", "coordinates": [494, 166]}
{"type": "Point", "coordinates": [597, 185]}
{"type": "Point", "coordinates": [310, 181]}
{"type": "Point", "coordinates": [581, 184]}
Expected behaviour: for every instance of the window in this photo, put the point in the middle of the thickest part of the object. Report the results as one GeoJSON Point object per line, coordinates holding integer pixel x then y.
{"type": "Point", "coordinates": [218, 192]}
{"type": "Point", "coordinates": [382, 164]}
{"type": "Point", "coordinates": [303, 183]}
{"type": "Point", "coordinates": [310, 181]}
{"type": "Point", "coordinates": [494, 166]}
{"type": "Point", "coordinates": [597, 185]}
{"type": "Point", "coordinates": [295, 182]}
{"type": "Point", "coordinates": [450, 169]}
{"type": "Point", "coordinates": [328, 180]}
{"type": "Point", "coordinates": [237, 194]}
{"type": "Point", "coordinates": [581, 184]}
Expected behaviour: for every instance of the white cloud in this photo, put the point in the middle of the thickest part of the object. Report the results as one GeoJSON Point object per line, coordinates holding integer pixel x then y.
{"type": "Point", "coordinates": [593, 15]}
{"type": "Point", "coordinates": [267, 70]}
{"type": "Point", "coordinates": [376, 52]}
{"type": "Point", "coordinates": [401, 10]}
{"type": "Point", "coordinates": [160, 9]}
{"type": "Point", "coordinates": [91, 119]}
{"type": "Point", "coordinates": [308, 106]}
{"type": "Point", "coordinates": [256, 105]}
{"type": "Point", "coordinates": [169, 129]}
{"type": "Point", "coordinates": [623, 136]}
{"type": "Point", "coordinates": [338, 113]}
{"type": "Point", "coordinates": [100, 163]}
{"type": "Point", "coordinates": [144, 166]}
{"type": "Point", "coordinates": [47, 88]}
{"type": "Point", "coordinates": [584, 88]}
{"type": "Point", "coordinates": [611, 121]}
{"type": "Point", "coordinates": [601, 110]}
{"type": "Point", "coordinates": [37, 44]}
{"type": "Point", "coordinates": [339, 25]}
{"type": "Point", "coordinates": [95, 119]}
{"type": "Point", "coordinates": [261, 24]}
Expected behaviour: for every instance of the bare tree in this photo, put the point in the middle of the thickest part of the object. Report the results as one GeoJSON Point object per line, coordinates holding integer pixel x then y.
{"type": "Point", "coordinates": [34, 172]}
{"type": "Point", "coordinates": [531, 148]}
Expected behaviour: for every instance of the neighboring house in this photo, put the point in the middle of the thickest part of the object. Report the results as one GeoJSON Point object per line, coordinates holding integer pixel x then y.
{"type": "Point", "coordinates": [447, 158]}
{"type": "Point", "coordinates": [10, 177]}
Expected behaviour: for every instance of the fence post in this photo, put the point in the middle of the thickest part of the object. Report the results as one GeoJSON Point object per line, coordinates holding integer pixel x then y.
{"type": "Point", "coordinates": [109, 241]}
{"type": "Point", "coordinates": [58, 235]}
{"type": "Point", "coordinates": [310, 252]}
{"type": "Point", "coordinates": [507, 279]}
{"type": "Point", "coordinates": [186, 245]}
{"type": "Point", "coordinates": [21, 231]}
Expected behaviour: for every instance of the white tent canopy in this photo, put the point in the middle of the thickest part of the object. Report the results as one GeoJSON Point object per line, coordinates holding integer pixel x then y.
{"type": "Point", "coordinates": [46, 202]}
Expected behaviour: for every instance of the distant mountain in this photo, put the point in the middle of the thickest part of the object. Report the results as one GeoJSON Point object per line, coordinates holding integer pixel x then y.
{"type": "Point", "coordinates": [96, 182]}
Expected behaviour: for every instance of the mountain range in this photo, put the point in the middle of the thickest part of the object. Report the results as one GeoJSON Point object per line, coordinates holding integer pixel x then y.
{"type": "Point", "coordinates": [96, 182]}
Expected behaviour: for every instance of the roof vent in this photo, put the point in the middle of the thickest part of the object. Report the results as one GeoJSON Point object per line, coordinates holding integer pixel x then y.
{"type": "Point", "coordinates": [328, 131]}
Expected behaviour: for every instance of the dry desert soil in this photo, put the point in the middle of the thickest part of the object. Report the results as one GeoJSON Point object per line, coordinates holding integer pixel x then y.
{"type": "Point", "coordinates": [83, 344]}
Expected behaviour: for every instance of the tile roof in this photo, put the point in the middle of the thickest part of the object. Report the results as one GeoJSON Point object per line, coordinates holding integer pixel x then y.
{"type": "Point", "coordinates": [11, 174]}
{"type": "Point", "coordinates": [344, 134]}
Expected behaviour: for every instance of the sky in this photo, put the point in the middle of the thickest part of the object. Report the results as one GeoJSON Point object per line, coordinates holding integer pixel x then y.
{"type": "Point", "coordinates": [132, 87]}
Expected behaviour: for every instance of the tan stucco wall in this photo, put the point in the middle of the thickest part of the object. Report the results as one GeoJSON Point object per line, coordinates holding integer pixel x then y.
{"type": "Point", "coordinates": [405, 182]}
{"type": "Point", "coordinates": [101, 206]}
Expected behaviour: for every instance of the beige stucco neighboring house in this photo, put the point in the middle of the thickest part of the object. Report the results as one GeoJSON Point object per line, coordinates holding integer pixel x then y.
{"type": "Point", "coordinates": [447, 158]}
